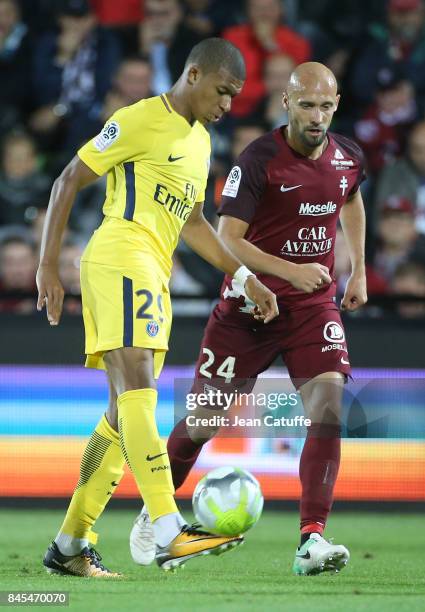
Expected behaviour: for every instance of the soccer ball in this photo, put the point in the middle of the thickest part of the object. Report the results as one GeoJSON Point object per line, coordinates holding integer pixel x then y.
{"type": "Point", "coordinates": [228, 501]}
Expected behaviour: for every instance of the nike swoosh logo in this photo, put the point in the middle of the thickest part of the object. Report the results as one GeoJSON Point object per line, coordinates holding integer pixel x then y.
{"type": "Point", "coordinates": [283, 188]}
{"type": "Point", "coordinates": [305, 556]}
{"type": "Point", "coordinates": [114, 484]}
{"type": "Point", "coordinates": [192, 541]}
{"type": "Point", "coordinates": [149, 458]}
{"type": "Point", "coordinates": [173, 159]}
{"type": "Point", "coordinates": [344, 361]}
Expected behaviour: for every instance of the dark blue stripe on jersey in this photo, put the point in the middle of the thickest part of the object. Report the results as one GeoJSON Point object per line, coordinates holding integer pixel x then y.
{"type": "Point", "coordinates": [130, 198]}
{"type": "Point", "coordinates": [166, 104]}
{"type": "Point", "coordinates": [127, 294]}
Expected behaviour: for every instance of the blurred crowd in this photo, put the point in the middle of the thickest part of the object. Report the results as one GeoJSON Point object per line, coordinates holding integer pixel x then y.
{"type": "Point", "coordinates": [67, 65]}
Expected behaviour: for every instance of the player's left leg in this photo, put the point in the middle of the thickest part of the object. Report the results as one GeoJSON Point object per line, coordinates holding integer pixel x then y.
{"type": "Point", "coordinates": [319, 465]}
{"type": "Point", "coordinates": [316, 356]}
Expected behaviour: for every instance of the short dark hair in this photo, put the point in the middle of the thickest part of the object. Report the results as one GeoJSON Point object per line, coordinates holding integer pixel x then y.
{"type": "Point", "coordinates": [212, 54]}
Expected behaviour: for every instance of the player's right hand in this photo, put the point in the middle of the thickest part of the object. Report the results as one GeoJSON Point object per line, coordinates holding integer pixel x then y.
{"type": "Point", "coordinates": [309, 277]}
{"type": "Point", "coordinates": [266, 307]}
{"type": "Point", "coordinates": [50, 293]}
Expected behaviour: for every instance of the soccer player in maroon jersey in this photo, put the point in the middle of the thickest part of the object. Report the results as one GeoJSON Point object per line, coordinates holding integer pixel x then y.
{"type": "Point", "coordinates": [280, 208]}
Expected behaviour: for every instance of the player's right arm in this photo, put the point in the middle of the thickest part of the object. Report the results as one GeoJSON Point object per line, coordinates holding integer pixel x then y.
{"type": "Point", "coordinates": [304, 277]}
{"type": "Point", "coordinates": [74, 177]}
{"type": "Point", "coordinates": [117, 141]}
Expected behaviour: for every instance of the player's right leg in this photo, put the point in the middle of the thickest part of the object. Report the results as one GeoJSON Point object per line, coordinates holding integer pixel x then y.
{"type": "Point", "coordinates": [131, 370]}
{"type": "Point", "coordinates": [247, 352]}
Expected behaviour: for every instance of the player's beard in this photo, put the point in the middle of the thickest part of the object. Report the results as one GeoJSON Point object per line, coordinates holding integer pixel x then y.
{"type": "Point", "coordinates": [312, 141]}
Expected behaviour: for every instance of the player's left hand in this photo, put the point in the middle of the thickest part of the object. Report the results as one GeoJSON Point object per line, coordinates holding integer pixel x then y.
{"type": "Point", "coordinates": [355, 294]}
{"type": "Point", "coordinates": [50, 293]}
{"type": "Point", "coordinates": [266, 307]}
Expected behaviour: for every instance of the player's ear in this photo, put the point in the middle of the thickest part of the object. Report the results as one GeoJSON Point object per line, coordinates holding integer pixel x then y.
{"type": "Point", "coordinates": [285, 100]}
{"type": "Point", "coordinates": [337, 99]}
{"type": "Point", "coordinates": [193, 74]}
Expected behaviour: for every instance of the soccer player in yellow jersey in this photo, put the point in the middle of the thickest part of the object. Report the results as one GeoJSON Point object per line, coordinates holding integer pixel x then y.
{"type": "Point", "coordinates": [156, 155]}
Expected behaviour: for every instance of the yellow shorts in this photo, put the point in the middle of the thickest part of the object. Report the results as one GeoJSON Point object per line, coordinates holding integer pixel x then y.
{"type": "Point", "coordinates": [123, 308]}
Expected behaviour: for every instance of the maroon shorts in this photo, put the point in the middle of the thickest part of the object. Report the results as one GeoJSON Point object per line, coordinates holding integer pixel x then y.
{"type": "Point", "coordinates": [310, 340]}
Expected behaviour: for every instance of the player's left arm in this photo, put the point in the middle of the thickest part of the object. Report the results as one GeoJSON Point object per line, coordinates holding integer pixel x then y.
{"type": "Point", "coordinates": [353, 223]}
{"type": "Point", "coordinates": [200, 236]}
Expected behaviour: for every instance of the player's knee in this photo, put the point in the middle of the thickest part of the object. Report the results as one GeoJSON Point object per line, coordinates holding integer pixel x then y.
{"type": "Point", "coordinates": [130, 368]}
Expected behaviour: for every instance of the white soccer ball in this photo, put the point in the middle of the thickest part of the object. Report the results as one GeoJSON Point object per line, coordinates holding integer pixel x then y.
{"type": "Point", "coordinates": [228, 501]}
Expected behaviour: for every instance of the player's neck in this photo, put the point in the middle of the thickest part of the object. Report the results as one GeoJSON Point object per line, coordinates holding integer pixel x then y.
{"type": "Point", "coordinates": [301, 148]}
{"type": "Point", "coordinates": [178, 100]}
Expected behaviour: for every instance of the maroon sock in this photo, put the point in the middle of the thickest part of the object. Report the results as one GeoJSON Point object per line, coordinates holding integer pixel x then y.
{"type": "Point", "coordinates": [183, 453]}
{"type": "Point", "coordinates": [319, 466]}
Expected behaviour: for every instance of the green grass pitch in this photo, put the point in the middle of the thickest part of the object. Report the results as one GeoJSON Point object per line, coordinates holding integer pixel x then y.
{"type": "Point", "coordinates": [386, 571]}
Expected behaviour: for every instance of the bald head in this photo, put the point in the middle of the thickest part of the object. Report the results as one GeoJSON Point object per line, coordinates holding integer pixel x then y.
{"type": "Point", "coordinates": [312, 77]}
{"type": "Point", "coordinates": [311, 99]}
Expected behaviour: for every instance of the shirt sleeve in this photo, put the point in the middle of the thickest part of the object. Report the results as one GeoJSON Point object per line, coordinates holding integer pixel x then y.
{"type": "Point", "coordinates": [361, 175]}
{"type": "Point", "coordinates": [116, 142]}
{"type": "Point", "coordinates": [244, 187]}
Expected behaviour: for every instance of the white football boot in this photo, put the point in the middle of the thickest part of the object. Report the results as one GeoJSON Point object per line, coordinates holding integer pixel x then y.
{"type": "Point", "coordinates": [317, 555]}
{"type": "Point", "coordinates": [142, 539]}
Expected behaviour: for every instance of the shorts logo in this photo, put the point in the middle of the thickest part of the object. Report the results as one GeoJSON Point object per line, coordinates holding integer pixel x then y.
{"type": "Point", "coordinates": [333, 332]}
{"type": "Point", "coordinates": [107, 136]}
{"type": "Point", "coordinates": [231, 187]}
{"type": "Point", "coordinates": [152, 328]}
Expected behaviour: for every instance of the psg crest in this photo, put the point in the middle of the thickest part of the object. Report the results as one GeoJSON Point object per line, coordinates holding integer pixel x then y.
{"type": "Point", "coordinates": [152, 328]}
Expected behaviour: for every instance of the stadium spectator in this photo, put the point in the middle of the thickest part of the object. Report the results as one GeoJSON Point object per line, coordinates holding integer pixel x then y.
{"type": "Point", "coordinates": [131, 83]}
{"type": "Point", "coordinates": [335, 29]}
{"type": "Point", "coordinates": [399, 42]}
{"type": "Point", "coordinates": [166, 40]}
{"type": "Point", "coordinates": [197, 17]}
{"type": "Point", "coordinates": [409, 279]}
{"type": "Point", "coordinates": [17, 275]}
{"type": "Point", "coordinates": [23, 187]}
{"type": "Point", "coordinates": [398, 239]}
{"type": "Point", "coordinates": [381, 130]}
{"type": "Point", "coordinates": [406, 177]}
{"type": "Point", "coordinates": [120, 13]}
{"type": "Point", "coordinates": [39, 15]}
{"type": "Point", "coordinates": [277, 70]}
{"type": "Point", "coordinates": [72, 74]}
{"type": "Point", "coordinates": [123, 19]}
{"type": "Point", "coordinates": [262, 36]}
{"type": "Point", "coordinates": [15, 65]}
{"type": "Point", "coordinates": [211, 17]}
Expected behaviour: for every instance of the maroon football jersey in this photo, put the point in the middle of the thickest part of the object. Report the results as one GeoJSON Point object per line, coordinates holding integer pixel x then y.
{"type": "Point", "coordinates": [292, 205]}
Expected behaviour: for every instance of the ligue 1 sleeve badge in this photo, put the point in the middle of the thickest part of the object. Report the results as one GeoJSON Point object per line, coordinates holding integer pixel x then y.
{"type": "Point", "coordinates": [152, 328]}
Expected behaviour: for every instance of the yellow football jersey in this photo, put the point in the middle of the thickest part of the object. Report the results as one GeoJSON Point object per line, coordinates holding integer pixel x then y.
{"type": "Point", "coordinates": [157, 165]}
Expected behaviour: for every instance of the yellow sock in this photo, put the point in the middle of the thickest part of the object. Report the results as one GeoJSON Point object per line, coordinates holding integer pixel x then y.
{"type": "Point", "coordinates": [102, 468]}
{"type": "Point", "coordinates": [144, 451]}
